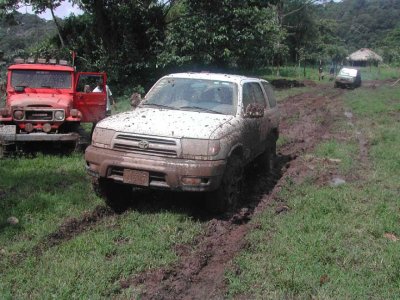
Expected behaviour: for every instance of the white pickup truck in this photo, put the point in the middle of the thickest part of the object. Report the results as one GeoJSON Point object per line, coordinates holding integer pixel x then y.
{"type": "Point", "coordinates": [191, 132]}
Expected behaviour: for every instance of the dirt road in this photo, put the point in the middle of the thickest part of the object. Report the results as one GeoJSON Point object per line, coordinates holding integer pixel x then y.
{"type": "Point", "coordinates": [199, 273]}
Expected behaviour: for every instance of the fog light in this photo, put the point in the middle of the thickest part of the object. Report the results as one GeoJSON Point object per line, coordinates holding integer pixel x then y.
{"type": "Point", "coordinates": [59, 115]}
{"type": "Point", "coordinates": [28, 127]}
{"type": "Point", "coordinates": [18, 114]}
{"type": "Point", "coordinates": [191, 181]}
{"type": "Point", "coordinates": [47, 127]}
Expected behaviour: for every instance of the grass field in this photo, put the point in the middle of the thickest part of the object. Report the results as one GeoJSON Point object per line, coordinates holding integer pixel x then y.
{"type": "Point", "coordinates": [47, 192]}
{"type": "Point", "coordinates": [335, 242]}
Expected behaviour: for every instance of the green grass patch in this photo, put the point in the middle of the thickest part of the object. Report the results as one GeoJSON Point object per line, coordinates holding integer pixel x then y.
{"type": "Point", "coordinates": [332, 243]}
{"type": "Point", "coordinates": [46, 191]}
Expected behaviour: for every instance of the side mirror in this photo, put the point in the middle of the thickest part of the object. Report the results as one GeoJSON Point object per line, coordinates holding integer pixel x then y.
{"type": "Point", "coordinates": [136, 98]}
{"type": "Point", "coordinates": [254, 110]}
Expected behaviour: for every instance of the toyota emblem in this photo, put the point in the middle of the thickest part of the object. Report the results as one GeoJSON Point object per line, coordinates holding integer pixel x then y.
{"type": "Point", "coordinates": [143, 144]}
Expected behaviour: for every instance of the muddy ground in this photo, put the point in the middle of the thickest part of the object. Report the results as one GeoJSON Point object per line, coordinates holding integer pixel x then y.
{"type": "Point", "coordinates": [306, 121]}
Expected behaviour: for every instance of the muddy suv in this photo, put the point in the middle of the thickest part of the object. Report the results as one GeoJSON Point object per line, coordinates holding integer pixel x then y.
{"type": "Point", "coordinates": [191, 132]}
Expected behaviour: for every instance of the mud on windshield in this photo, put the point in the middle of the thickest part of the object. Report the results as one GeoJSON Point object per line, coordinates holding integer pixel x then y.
{"type": "Point", "coordinates": [213, 96]}
{"type": "Point", "coordinates": [41, 79]}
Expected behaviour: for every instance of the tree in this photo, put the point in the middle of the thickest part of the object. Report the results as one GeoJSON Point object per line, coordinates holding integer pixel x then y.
{"type": "Point", "coordinates": [224, 34]}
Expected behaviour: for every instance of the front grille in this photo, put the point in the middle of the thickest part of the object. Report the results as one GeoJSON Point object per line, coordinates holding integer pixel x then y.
{"type": "Point", "coordinates": [147, 145]}
{"type": "Point", "coordinates": [39, 115]}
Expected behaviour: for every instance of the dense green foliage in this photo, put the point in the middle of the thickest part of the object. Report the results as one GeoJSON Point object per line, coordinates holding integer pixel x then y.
{"type": "Point", "coordinates": [135, 42]}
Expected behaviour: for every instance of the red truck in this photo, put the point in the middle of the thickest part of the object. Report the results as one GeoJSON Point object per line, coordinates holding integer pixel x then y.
{"type": "Point", "coordinates": [46, 101]}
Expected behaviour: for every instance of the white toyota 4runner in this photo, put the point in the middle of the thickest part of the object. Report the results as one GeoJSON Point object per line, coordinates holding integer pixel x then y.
{"type": "Point", "coordinates": [192, 132]}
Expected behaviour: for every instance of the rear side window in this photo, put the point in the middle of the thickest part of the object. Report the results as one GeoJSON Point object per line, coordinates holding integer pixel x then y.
{"type": "Point", "coordinates": [270, 94]}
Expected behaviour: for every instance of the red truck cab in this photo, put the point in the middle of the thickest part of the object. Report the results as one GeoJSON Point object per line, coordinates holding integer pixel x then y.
{"type": "Point", "coordinates": [48, 101]}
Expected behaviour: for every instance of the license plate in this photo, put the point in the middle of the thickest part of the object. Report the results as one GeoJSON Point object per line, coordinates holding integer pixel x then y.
{"type": "Point", "coordinates": [136, 177]}
{"type": "Point", "coordinates": [8, 129]}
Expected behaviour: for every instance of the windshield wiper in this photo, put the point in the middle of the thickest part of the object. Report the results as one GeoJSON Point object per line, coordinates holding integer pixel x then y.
{"type": "Point", "coordinates": [158, 105]}
{"type": "Point", "coordinates": [46, 86]}
{"type": "Point", "coordinates": [201, 108]}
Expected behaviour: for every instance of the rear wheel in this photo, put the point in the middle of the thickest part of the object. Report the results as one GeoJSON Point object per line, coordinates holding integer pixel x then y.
{"type": "Point", "coordinates": [227, 196]}
{"type": "Point", "coordinates": [116, 195]}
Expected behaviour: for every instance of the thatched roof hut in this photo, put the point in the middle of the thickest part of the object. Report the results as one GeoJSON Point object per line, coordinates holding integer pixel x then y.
{"type": "Point", "coordinates": [364, 56]}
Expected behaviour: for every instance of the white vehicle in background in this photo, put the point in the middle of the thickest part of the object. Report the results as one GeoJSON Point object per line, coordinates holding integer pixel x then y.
{"type": "Point", "coordinates": [348, 78]}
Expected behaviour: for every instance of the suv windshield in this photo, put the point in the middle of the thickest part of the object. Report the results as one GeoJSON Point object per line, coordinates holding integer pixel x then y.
{"type": "Point", "coordinates": [41, 79]}
{"type": "Point", "coordinates": [213, 96]}
{"type": "Point", "coordinates": [348, 72]}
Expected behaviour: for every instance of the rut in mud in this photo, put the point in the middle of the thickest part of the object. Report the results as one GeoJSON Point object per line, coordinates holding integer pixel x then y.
{"type": "Point", "coordinates": [199, 273]}
{"type": "Point", "coordinates": [66, 231]}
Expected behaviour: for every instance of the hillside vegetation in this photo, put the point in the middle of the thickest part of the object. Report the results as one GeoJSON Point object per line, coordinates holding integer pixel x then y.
{"type": "Point", "coordinates": [19, 32]}
{"type": "Point", "coordinates": [151, 38]}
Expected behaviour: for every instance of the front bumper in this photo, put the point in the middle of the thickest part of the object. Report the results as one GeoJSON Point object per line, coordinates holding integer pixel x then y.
{"type": "Point", "coordinates": [163, 172]}
{"type": "Point", "coordinates": [344, 83]}
{"type": "Point", "coordinates": [7, 137]}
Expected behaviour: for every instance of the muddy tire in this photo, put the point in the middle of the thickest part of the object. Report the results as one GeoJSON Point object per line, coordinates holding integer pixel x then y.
{"type": "Point", "coordinates": [116, 195]}
{"type": "Point", "coordinates": [227, 196]}
{"type": "Point", "coordinates": [265, 159]}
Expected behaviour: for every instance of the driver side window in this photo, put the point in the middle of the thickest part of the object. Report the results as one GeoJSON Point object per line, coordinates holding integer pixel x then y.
{"type": "Point", "coordinates": [252, 93]}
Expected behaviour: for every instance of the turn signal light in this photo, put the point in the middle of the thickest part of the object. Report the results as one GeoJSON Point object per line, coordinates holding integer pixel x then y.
{"type": "Point", "coordinates": [74, 113]}
{"type": "Point", "coordinates": [191, 181]}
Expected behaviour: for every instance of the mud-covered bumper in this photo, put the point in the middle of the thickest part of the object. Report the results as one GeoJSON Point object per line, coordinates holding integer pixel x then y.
{"type": "Point", "coordinates": [153, 171]}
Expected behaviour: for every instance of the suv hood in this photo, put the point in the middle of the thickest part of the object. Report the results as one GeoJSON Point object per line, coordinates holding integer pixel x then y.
{"type": "Point", "coordinates": [167, 123]}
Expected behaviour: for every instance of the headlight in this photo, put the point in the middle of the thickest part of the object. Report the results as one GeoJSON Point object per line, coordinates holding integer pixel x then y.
{"type": "Point", "coordinates": [59, 115]}
{"type": "Point", "coordinates": [102, 137]}
{"type": "Point", "coordinates": [197, 147]}
{"type": "Point", "coordinates": [18, 114]}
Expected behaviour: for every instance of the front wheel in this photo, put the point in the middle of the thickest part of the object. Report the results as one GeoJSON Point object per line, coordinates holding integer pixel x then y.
{"type": "Point", "coordinates": [227, 196]}
{"type": "Point", "coordinates": [116, 195]}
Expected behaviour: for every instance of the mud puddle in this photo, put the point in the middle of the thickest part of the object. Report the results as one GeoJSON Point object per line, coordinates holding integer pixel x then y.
{"type": "Point", "coordinates": [199, 272]}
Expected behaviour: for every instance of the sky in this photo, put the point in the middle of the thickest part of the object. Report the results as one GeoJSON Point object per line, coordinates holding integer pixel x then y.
{"type": "Point", "coordinates": [64, 10]}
